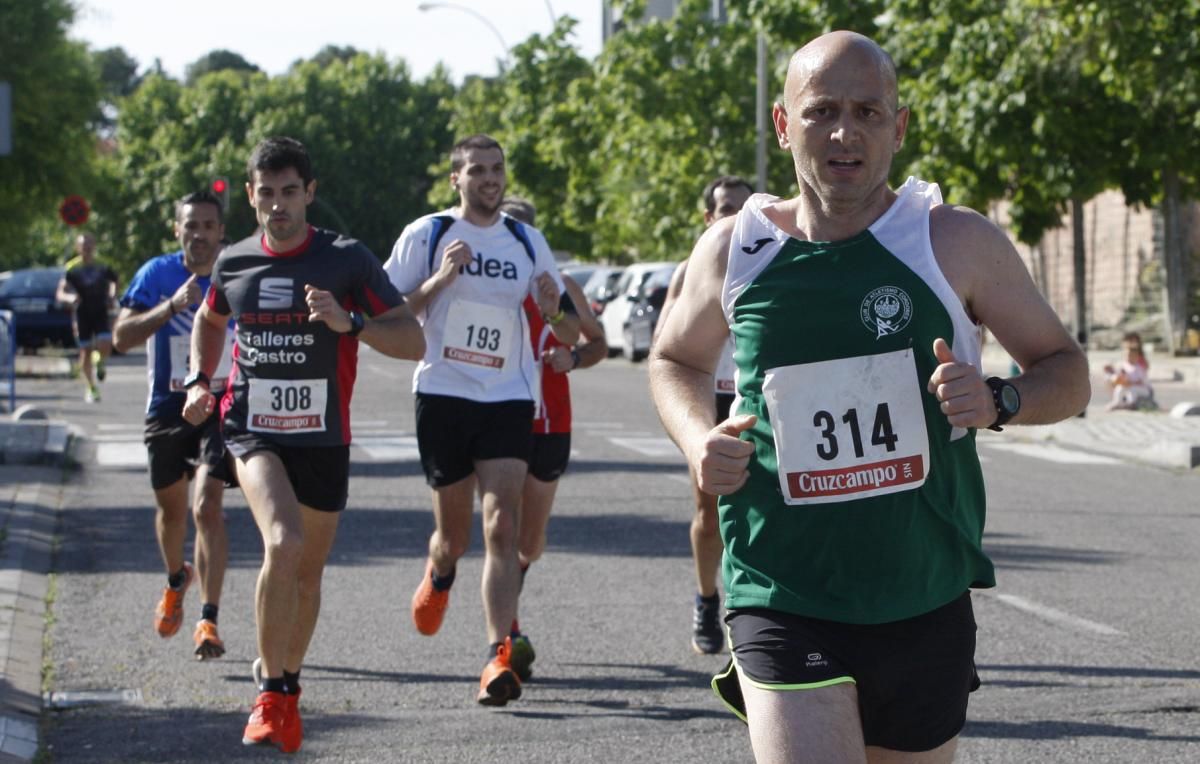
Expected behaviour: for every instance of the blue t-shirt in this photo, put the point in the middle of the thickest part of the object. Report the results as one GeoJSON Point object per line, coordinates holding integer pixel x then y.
{"type": "Point", "coordinates": [168, 349]}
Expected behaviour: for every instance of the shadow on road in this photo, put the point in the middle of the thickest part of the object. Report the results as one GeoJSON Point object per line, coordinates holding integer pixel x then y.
{"type": "Point", "coordinates": [1065, 730]}
{"type": "Point", "coordinates": [1032, 556]}
{"type": "Point", "coordinates": [179, 735]}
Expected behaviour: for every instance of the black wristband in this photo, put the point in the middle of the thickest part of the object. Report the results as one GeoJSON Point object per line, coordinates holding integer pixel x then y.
{"type": "Point", "coordinates": [356, 323]}
{"type": "Point", "coordinates": [574, 359]}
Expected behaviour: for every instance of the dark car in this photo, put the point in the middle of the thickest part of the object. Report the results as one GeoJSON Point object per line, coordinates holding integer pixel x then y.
{"type": "Point", "coordinates": [39, 317]}
{"type": "Point", "coordinates": [643, 316]}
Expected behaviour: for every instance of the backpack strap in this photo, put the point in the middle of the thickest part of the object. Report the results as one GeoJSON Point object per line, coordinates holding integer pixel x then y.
{"type": "Point", "coordinates": [441, 224]}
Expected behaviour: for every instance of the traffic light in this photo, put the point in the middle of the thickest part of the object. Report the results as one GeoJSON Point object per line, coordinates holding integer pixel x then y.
{"type": "Point", "coordinates": [220, 187]}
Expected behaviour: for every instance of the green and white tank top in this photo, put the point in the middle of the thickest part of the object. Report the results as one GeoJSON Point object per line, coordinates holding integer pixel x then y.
{"type": "Point", "coordinates": [863, 504]}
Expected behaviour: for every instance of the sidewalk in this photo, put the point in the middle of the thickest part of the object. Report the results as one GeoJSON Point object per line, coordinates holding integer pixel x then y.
{"type": "Point", "coordinates": [33, 453]}
{"type": "Point", "coordinates": [1156, 437]}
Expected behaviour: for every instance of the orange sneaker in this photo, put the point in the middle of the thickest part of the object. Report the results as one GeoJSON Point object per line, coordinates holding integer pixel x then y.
{"type": "Point", "coordinates": [428, 604]}
{"type": "Point", "coordinates": [276, 720]}
{"type": "Point", "coordinates": [499, 683]}
{"type": "Point", "coordinates": [208, 642]}
{"type": "Point", "coordinates": [168, 616]}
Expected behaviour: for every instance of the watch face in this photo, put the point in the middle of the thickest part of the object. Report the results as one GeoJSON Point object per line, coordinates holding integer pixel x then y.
{"type": "Point", "coordinates": [1010, 399]}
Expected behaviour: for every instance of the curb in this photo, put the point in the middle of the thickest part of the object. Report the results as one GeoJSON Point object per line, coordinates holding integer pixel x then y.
{"type": "Point", "coordinates": [24, 566]}
{"type": "Point", "coordinates": [1169, 452]}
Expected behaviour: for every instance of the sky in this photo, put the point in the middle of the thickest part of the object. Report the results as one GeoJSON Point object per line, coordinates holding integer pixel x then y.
{"type": "Point", "coordinates": [273, 35]}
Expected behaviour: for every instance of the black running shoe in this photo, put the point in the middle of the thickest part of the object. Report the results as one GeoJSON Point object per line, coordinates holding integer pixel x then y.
{"type": "Point", "coordinates": [708, 637]}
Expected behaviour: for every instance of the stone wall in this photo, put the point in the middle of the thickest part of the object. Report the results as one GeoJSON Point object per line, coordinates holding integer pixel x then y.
{"type": "Point", "coordinates": [1124, 274]}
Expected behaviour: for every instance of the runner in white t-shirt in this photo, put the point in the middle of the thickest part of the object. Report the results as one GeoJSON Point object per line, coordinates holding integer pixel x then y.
{"type": "Point", "coordinates": [465, 273]}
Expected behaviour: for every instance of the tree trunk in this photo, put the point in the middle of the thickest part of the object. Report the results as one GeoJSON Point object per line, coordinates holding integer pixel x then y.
{"type": "Point", "coordinates": [1080, 272]}
{"type": "Point", "coordinates": [1175, 283]}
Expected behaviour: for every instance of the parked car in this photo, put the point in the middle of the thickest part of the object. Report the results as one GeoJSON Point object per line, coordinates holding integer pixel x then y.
{"type": "Point", "coordinates": [601, 287]}
{"type": "Point", "coordinates": [629, 290]}
{"type": "Point", "coordinates": [39, 317]}
{"type": "Point", "coordinates": [580, 272]}
{"type": "Point", "coordinates": [639, 329]}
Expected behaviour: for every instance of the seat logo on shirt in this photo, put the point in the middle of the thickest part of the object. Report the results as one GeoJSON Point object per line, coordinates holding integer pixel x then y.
{"type": "Point", "coordinates": [275, 293]}
{"type": "Point", "coordinates": [886, 310]}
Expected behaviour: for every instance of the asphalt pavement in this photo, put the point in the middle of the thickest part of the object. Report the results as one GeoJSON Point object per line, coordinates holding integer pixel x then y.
{"type": "Point", "coordinates": [38, 455]}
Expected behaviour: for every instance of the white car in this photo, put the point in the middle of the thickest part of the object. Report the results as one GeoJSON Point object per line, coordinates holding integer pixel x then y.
{"type": "Point", "coordinates": [630, 288]}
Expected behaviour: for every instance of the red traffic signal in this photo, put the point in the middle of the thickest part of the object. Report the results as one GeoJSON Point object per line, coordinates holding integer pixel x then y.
{"type": "Point", "coordinates": [220, 187]}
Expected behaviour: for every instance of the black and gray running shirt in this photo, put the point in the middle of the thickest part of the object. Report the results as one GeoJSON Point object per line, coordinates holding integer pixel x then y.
{"type": "Point", "coordinates": [292, 379]}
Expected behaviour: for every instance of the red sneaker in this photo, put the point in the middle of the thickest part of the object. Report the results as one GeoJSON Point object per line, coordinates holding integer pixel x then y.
{"type": "Point", "coordinates": [428, 604]}
{"type": "Point", "coordinates": [168, 616]}
{"type": "Point", "coordinates": [499, 683]}
{"type": "Point", "coordinates": [275, 719]}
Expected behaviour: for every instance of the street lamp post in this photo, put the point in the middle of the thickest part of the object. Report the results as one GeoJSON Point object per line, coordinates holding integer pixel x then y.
{"type": "Point", "coordinates": [455, 6]}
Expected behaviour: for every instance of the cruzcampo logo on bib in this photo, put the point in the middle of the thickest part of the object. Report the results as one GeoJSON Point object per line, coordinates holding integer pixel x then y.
{"type": "Point", "coordinates": [886, 310]}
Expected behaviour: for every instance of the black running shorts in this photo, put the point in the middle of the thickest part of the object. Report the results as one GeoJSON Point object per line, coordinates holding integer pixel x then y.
{"type": "Point", "coordinates": [454, 433]}
{"type": "Point", "coordinates": [175, 448]}
{"type": "Point", "coordinates": [912, 676]}
{"type": "Point", "coordinates": [550, 456]}
{"type": "Point", "coordinates": [320, 475]}
{"type": "Point", "coordinates": [91, 325]}
{"type": "Point", "coordinates": [724, 404]}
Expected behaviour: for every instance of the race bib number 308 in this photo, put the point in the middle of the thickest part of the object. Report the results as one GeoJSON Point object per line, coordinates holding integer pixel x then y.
{"type": "Point", "coordinates": [848, 429]}
{"type": "Point", "coordinates": [287, 406]}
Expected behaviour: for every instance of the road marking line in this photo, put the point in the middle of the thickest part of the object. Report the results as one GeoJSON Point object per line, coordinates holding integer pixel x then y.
{"type": "Point", "coordinates": [389, 448]}
{"type": "Point", "coordinates": [1053, 453]}
{"type": "Point", "coordinates": [122, 454]}
{"type": "Point", "coordinates": [648, 446]}
{"type": "Point", "coordinates": [123, 426]}
{"type": "Point", "coordinates": [1056, 616]}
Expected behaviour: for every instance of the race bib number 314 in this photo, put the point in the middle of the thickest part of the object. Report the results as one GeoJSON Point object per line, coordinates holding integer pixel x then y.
{"type": "Point", "coordinates": [849, 428]}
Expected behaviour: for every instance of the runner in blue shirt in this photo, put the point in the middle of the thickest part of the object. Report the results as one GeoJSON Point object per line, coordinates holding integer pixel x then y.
{"type": "Point", "coordinates": [158, 309]}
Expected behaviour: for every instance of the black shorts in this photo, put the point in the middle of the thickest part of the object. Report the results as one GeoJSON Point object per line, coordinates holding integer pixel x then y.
{"type": "Point", "coordinates": [320, 475]}
{"type": "Point", "coordinates": [454, 433]}
{"type": "Point", "coordinates": [913, 676]}
{"type": "Point", "coordinates": [92, 325]}
{"type": "Point", "coordinates": [724, 404]}
{"type": "Point", "coordinates": [550, 455]}
{"type": "Point", "coordinates": [176, 448]}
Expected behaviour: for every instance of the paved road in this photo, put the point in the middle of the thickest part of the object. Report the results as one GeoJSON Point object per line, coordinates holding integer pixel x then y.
{"type": "Point", "coordinates": [1087, 647]}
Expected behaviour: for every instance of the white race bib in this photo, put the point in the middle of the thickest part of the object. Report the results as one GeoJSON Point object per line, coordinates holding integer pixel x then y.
{"type": "Point", "coordinates": [181, 360]}
{"type": "Point", "coordinates": [723, 377]}
{"type": "Point", "coordinates": [479, 335]}
{"type": "Point", "coordinates": [286, 406]}
{"type": "Point", "coordinates": [848, 429]}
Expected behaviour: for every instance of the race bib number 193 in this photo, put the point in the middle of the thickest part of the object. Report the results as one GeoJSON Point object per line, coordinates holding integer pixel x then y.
{"type": "Point", "coordinates": [478, 335]}
{"type": "Point", "coordinates": [848, 429]}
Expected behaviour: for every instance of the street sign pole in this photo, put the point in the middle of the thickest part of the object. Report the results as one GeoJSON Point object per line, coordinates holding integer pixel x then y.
{"type": "Point", "coordinates": [5, 119]}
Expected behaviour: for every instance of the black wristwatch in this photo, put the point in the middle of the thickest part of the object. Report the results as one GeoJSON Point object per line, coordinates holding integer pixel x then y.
{"type": "Point", "coordinates": [196, 378]}
{"type": "Point", "coordinates": [356, 323]}
{"type": "Point", "coordinates": [1007, 400]}
{"type": "Point", "coordinates": [574, 359]}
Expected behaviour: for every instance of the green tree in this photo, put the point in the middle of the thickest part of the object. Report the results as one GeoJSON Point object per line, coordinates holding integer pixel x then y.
{"type": "Point", "coordinates": [529, 110]}
{"type": "Point", "coordinates": [216, 61]}
{"type": "Point", "coordinates": [1147, 57]}
{"type": "Point", "coordinates": [55, 93]}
